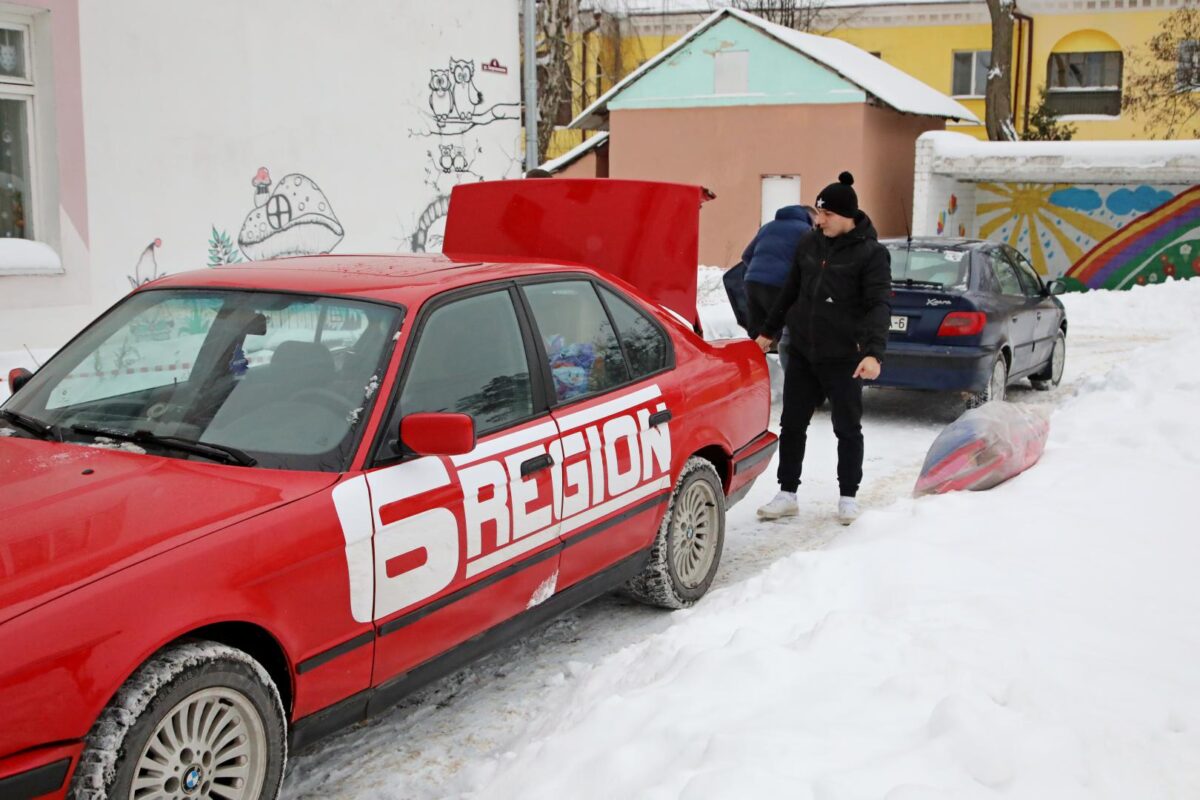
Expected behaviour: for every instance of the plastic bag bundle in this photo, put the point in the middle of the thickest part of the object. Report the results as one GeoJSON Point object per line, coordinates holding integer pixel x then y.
{"type": "Point", "coordinates": [983, 448]}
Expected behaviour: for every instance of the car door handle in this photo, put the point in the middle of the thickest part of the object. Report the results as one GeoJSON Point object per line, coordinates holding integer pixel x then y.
{"type": "Point", "coordinates": [660, 417]}
{"type": "Point", "coordinates": [536, 464]}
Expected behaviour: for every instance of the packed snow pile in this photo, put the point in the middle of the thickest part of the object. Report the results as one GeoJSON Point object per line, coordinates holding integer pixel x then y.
{"type": "Point", "coordinates": [1034, 641]}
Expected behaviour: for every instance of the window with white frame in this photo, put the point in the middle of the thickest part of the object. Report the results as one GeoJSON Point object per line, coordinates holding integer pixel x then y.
{"type": "Point", "coordinates": [970, 73]}
{"type": "Point", "coordinates": [17, 94]}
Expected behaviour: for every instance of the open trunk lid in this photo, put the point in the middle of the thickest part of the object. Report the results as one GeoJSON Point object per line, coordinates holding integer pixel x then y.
{"type": "Point", "coordinates": [643, 232]}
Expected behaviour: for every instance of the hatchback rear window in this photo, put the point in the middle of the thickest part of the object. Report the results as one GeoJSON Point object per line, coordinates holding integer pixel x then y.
{"type": "Point", "coordinates": [929, 265]}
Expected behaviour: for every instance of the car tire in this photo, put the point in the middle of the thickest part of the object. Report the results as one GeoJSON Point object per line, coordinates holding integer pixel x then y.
{"type": "Point", "coordinates": [1051, 376]}
{"type": "Point", "coordinates": [195, 714]}
{"type": "Point", "coordinates": [997, 385]}
{"type": "Point", "coordinates": [687, 549]}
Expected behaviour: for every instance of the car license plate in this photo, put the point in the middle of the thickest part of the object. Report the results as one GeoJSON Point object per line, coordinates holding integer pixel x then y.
{"type": "Point", "coordinates": [899, 324]}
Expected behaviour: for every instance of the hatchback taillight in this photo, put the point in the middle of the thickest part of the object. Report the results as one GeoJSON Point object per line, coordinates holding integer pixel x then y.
{"type": "Point", "coordinates": [963, 323]}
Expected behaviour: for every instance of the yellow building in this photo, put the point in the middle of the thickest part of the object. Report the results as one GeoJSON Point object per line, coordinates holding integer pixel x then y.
{"type": "Point", "coordinates": [1079, 50]}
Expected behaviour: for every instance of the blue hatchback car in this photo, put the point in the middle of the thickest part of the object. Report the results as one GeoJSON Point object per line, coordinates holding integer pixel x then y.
{"type": "Point", "coordinates": [971, 316]}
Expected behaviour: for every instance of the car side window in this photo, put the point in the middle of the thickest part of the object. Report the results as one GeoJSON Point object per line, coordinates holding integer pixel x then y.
{"type": "Point", "coordinates": [981, 266]}
{"type": "Point", "coordinates": [581, 347]}
{"type": "Point", "coordinates": [1005, 274]}
{"type": "Point", "coordinates": [1026, 274]}
{"type": "Point", "coordinates": [644, 343]}
{"type": "Point", "coordinates": [470, 358]}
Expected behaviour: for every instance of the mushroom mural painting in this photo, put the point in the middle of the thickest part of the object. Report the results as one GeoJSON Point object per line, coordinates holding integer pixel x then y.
{"type": "Point", "coordinates": [365, 115]}
{"type": "Point", "coordinates": [294, 218]}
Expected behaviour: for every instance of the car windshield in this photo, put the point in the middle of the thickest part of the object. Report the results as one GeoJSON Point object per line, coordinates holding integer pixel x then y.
{"type": "Point", "coordinates": [918, 264]}
{"type": "Point", "coordinates": [283, 381]}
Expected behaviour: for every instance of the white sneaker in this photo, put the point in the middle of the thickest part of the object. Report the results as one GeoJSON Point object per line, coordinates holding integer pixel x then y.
{"type": "Point", "coordinates": [847, 510]}
{"type": "Point", "coordinates": [784, 505]}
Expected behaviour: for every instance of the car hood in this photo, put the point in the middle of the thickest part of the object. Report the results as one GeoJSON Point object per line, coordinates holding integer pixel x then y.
{"type": "Point", "coordinates": [71, 513]}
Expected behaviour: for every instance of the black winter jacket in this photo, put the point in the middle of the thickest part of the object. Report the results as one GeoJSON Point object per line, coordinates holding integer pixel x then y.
{"type": "Point", "coordinates": [837, 299]}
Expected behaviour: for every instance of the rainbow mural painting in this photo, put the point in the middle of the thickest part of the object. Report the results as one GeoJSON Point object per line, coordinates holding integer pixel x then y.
{"type": "Point", "coordinates": [1160, 244]}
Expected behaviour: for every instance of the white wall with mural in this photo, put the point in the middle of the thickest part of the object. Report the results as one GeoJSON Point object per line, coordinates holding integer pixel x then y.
{"type": "Point", "coordinates": [220, 131]}
{"type": "Point", "coordinates": [1100, 215]}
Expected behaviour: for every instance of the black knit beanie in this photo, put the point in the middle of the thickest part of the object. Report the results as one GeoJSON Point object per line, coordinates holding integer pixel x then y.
{"type": "Point", "coordinates": [840, 197]}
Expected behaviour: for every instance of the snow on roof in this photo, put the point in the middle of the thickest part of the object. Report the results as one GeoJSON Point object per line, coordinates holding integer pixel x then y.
{"type": "Point", "coordinates": [892, 86]}
{"type": "Point", "coordinates": [967, 157]}
{"type": "Point", "coordinates": [576, 153]}
{"type": "Point", "coordinates": [648, 7]}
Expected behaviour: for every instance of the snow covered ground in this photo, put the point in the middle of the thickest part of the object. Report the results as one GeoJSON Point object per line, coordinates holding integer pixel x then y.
{"type": "Point", "coordinates": [1034, 641]}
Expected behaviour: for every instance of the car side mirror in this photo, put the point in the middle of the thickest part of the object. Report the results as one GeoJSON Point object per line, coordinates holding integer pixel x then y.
{"type": "Point", "coordinates": [437, 434]}
{"type": "Point", "coordinates": [17, 378]}
{"type": "Point", "coordinates": [1056, 287]}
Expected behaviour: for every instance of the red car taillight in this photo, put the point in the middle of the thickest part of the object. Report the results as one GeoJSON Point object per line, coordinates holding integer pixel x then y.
{"type": "Point", "coordinates": [963, 323]}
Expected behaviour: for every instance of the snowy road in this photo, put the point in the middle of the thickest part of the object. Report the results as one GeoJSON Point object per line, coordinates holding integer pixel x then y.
{"type": "Point", "coordinates": [471, 733]}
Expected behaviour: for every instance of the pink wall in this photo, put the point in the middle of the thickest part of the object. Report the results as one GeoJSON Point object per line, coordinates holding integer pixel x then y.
{"type": "Point", "coordinates": [730, 149]}
{"type": "Point", "coordinates": [885, 187]}
{"type": "Point", "coordinates": [591, 165]}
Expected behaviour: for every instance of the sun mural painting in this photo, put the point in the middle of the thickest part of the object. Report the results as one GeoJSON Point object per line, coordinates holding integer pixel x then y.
{"type": "Point", "coordinates": [1130, 236]}
{"type": "Point", "coordinates": [1027, 217]}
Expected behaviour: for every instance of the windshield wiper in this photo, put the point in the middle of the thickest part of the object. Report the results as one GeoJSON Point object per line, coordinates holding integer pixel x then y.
{"type": "Point", "coordinates": [909, 282]}
{"type": "Point", "coordinates": [42, 430]}
{"type": "Point", "coordinates": [215, 452]}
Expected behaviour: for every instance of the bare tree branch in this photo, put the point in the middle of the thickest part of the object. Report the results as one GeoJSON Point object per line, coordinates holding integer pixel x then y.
{"type": "Point", "coordinates": [555, 27]}
{"type": "Point", "coordinates": [1162, 83]}
{"type": "Point", "coordinates": [801, 15]}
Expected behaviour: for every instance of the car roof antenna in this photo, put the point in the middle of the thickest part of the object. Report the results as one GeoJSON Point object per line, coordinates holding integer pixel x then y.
{"type": "Point", "coordinates": [907, 222]}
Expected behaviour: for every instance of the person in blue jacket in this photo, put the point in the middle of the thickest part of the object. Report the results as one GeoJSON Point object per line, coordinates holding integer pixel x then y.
{"type": "Point", "coordinates": [768, 259]}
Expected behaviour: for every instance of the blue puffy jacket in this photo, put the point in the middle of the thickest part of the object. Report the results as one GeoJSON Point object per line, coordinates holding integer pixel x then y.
{"type": "Point", "coordinates": [768, 258]}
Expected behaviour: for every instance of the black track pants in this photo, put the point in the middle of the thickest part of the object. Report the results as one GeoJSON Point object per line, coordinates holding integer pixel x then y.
{"type": "Point", "coordinates": [805, 383]}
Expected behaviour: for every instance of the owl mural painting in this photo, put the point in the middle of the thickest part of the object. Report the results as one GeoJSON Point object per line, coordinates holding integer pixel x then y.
{"type": "Point", "coordinates": [453, 159]}
{"type": "Point", "coordinates": [441, 97]}
{"type": "Point", "coordinates": [466, 97]}
{"type": "Point", "coordinates": [454, 114]}
{"type": "Point", "coordinates": [456, 103]}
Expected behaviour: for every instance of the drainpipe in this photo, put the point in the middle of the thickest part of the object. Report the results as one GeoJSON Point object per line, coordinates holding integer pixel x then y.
{"type": "Point", "coordinates": [1027, 44]}
{"type": "Point", "coordinates": [531, 120]}
{"type": "Point", "coordinates": [1018, 55]}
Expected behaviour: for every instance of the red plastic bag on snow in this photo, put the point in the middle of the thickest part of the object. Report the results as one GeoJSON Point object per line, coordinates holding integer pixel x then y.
{"type": "Point", "coordinates": [983, 448]}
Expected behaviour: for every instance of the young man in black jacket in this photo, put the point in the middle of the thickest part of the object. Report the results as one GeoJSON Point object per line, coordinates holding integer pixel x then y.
{"type": "Point", "coordinates": [836, 304]}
